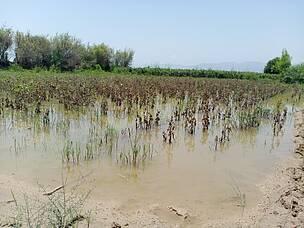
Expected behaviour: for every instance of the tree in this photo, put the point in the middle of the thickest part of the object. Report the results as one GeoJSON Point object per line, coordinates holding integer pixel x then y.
{"type": "Point", "coordinates": [6, 41]}
{"type": "Point", "coordinates": [278, 65]}
{"type": "Point", "coordinates": [123, 58]}
{"type": "Point", "coordinates": [66, 52]}
{"type": "Point", "coordinates": [285, 61]}
{"type": "Point", "coordinates": [104, 56]}
{"type": "Point", "coordinates": [273, 66]}
{"type": "Point", "coordinates": [32, 51]}
{"type": "Point", "coordinates": [63, 52]}
{"type": "Point", "coordinates": [294, 74]}
{"type": "Point", "coordinates": [88, 59]}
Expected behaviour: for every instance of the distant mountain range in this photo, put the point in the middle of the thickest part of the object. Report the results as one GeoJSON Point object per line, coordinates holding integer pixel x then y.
{"type": "Point", "coordinates": [229, 66]}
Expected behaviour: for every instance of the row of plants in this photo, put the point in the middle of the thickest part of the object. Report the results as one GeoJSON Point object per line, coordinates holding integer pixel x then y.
{"type": "Point", "coordinates": [73, 90]}
{"type": "Point", "coordinates": [294, 74]}
{"type": "Point", "coordinates": [196, 73]}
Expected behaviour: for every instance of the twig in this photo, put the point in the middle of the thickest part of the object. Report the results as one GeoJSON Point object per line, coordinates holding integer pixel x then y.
{"type": "Point", "coordinates": [53, 191]}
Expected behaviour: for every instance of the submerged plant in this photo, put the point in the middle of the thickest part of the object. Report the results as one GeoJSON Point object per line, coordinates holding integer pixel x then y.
{"type": "Point", "coordinates": [138, 153]}
{"type": "Point", "coordinates": [71, 153]}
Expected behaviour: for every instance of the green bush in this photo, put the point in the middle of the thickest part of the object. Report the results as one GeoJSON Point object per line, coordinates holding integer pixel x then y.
{"type": "Point", "coordinates": [294, 74]}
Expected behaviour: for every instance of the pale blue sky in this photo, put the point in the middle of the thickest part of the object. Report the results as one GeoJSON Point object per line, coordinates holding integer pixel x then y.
{"type": "Point", "coordinates": [171, 32]}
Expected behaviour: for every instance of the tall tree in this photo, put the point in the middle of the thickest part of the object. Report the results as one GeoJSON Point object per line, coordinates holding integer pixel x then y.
{"type": "Point", "coordinates": [32, 51]}
{"type": "Point", "coordinates": [285, 61]}
{"type": "Point", "coordinates": [66, 52]}
{"type": "Point", "coordinates": [6, 41]}
{"type": "Point", "coordinates": [123, 58]}
{"type": "Point", "coordinates": [104, 56]}
{"type": "Point", "coordinates": [88, 59]}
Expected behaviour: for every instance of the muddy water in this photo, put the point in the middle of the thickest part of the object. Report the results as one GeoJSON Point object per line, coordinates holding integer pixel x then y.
{"type": "Point", "coordinates": [189, 173]}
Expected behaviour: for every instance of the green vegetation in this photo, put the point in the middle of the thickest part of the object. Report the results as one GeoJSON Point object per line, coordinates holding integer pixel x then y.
{"type": "Point", "coordinates": [282, 68]}
{"type": "Point", "coordinates": [278, 65]}
{"type": "Point", "coordinates": [62, 52]}
{"type": "Point", "coordinates": [195, 73]}
{"type": "Point", "coordinates": [61, 207]}
{"type": "Point", "coordinates": [279, 68]}
{"type": "Point", "coordinates": [32, 51]}
{"type": "Point", "coordinates": [295, 74]}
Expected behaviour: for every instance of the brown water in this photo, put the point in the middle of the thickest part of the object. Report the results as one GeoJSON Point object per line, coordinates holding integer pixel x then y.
{"type": "Point", "coordinates": [189, 173]}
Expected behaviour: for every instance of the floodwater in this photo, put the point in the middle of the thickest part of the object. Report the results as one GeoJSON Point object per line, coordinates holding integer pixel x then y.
{"type": "Point", "coordinates": [189, 173]}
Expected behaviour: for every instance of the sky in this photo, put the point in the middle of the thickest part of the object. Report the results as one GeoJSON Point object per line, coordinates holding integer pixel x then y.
{"type": "Point", "coordinates": [178, 32]}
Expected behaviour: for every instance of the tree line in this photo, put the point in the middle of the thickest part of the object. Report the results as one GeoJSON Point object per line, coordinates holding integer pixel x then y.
{"type": "Point", "coordinates": [62, 52]}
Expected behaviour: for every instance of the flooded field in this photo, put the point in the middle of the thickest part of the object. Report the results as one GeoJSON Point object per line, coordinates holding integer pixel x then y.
{"type": "Point", "coordinates": [204, 150]}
